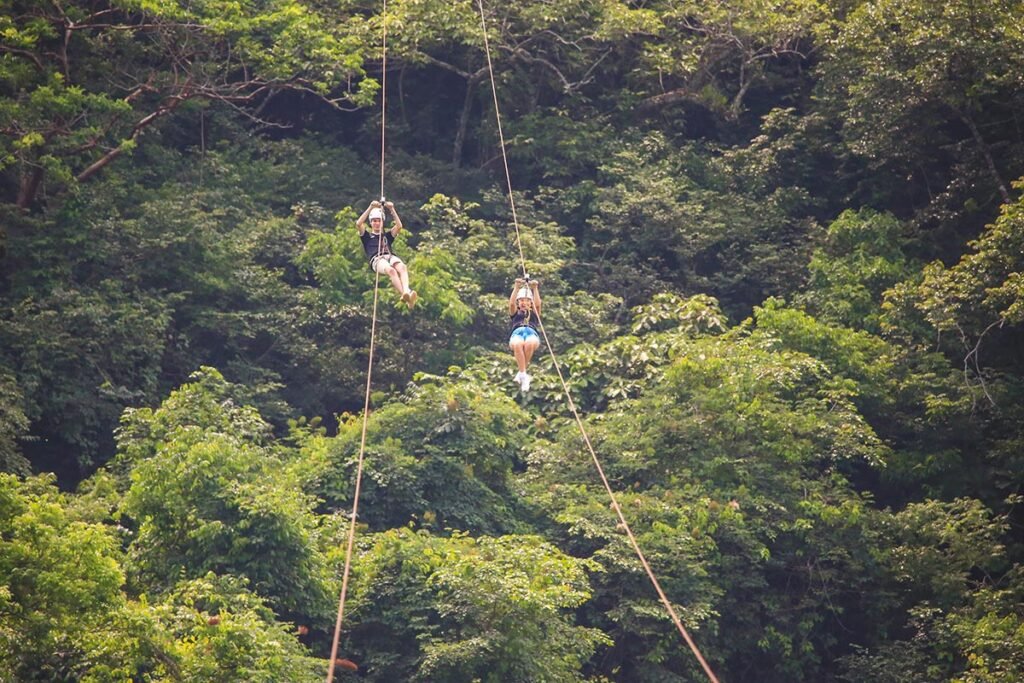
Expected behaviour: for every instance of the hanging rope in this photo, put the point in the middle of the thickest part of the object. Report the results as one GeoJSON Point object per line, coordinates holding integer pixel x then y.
{"type": "Point", "coordinates": [572, 405]}
{"type": "Point", "coordinates": [383, 90]}
{"type": "Point", "coordinates": [382, 240]}
{"type": "Point", "coordinates": [501, 137]}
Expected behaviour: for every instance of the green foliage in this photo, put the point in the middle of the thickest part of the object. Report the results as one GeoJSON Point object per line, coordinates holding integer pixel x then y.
{"type": "Point", "coordinates": [730, 467]}
{"type": "Point", "coordinates": [713, 53]}
{"type": "Point", "coordinates": [214, 628]}
{"type": "Point", "coordinates": [337, 261]}
{"type": "Point", "coordinates": [62, 117]}
{"type": "Point", "coordinates": [463, 608]}
{"type": "Point", "coordinates": [915, 402]}
{"type": "Point", "coordinates": [861, 258]}
{"type": "Point", "coordinates": [991, 634]}
{"type": "Point", "coordinates": [856, 355]}
{"type": "Point", "coordinates": [206, 405]}
{"type": "Point", "coordinates": [102, 338]}
{"type": "Point", "coordinates": [937, 547]}
{"type": "Point", "coordinates": [442, 456]}
{"type": "Point", "coordinates": [986, 287]}
{"type": "Point", "coordinates": [826, 490]}
{"type": "Point", "coordinates": [13, 424]}
{"type": "Point", "coordinates": [624, 365]}
{"type": "Point", "coordinates": [899, 60]}
{"type": "Point", "coordinates": [60, 595]}
{"type": "Point", "coordinates": [487, 249]}
{"type": "Point", "coordinates": [963, 625]}
{"type": "Point", "coordinates": [694, 316]}
{"type": "Point", "coordinates": [210, 628]}
{"type": "Point", "coordinates": [916, 86]}
{"type": "Point", "coordinates": [444, 287]}
{"type": "Point", "coordinates": [119, 296]}
{"type": "Point", "coordinates": [208, 494]}
{"type": "Point", "coordinates": [912, 660]}
{"type": "Point", "coordinates": [567, 35]}
{"type": "Point", "coordinates": [339, 264]}
{"type": "Point", "coordinates": [669, 218]}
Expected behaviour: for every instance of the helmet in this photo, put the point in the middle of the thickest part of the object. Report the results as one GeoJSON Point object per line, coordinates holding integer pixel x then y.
{"type": "Point", "coordinates": [524, 293]}
{"type": "Point", "coordinates": [376, 213]}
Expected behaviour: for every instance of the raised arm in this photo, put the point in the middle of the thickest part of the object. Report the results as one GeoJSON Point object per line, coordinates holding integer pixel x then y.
{"type": "Point", "coordinates": [361, 221]}
{"type": "Point", "coordinates": [512, 297]}
{"type": "Point", "coordinates": [397, 226]}
{"type": "Point", "coordinates": [535, 290]}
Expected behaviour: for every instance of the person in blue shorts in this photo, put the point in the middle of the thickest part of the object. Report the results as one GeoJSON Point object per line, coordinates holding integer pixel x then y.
{"type": "Point", "coordinates": [524, 312]}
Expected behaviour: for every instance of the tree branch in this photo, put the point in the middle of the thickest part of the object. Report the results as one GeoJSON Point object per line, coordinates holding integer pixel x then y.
{"type": "Point", "coordinates": [972, 357]}
{"type": "Point", "coordinates": [32, 57]}
{"type": "Point", "coordinates": [983, 148]}
{"type": "Point", "coordinates": [447, 67]}
{"type": "Point", "coordinates": [143, 123]}
{"type": "Point", "coordinates": [663, 99]}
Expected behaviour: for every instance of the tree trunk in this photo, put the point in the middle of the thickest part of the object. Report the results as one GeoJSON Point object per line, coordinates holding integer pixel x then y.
{"type": "Point", "coordinates": [460, 131]}
{"type": "Point", "coordinates": [736, 106]}
{"type": "Point", "coordinates": [989, 161]}
{"type": "Point", "coordinates": [29, 187]}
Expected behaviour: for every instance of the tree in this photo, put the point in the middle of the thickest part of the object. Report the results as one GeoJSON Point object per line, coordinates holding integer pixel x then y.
{"type": "Point", "coordinates": [910, 396]}
{"type": "Point", "coordinates": [948, 567]}
{"type": "Point", "coordinates": [730, 471]}
{"type": "Point", "coordinates": [13, 424]}
{"type": "Point", "coordinates": [539, 51]}
{"type": "Point", "coordinates": [669, 217]}
{"type": "Point", "coordinates": [440, 456]}
{"type": "Point", "coordinates": [210, 493]}
{"type": "Point", "coordinates": [920, 86]}
{"type": "Point", "coordinates": [60, 596]}
{"type": "Point", "coordinates": [982, 293]}
{"type": "Point", "coordinates": [861, 258]}
{"type": "Point", "coordinates": [113, 298]}
{"type": "Point", "coordinates": [713, 53]}
{"type": "Point", "coordinates": [463, 608]}
{"type": "Point", "coordinates": [215, 628]}
{"type": "Point", "coordinates": [65, 114]}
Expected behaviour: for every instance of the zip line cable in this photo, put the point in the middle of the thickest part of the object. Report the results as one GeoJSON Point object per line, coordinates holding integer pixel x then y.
{"type": "Point", "coordinates": [572, 406]}
{"type": "Point", "coordinates": [381, 241]}
{"type": "Point", "coordinates": [383, 93]}
{"type": "Point", "coordinates": [501, 137]}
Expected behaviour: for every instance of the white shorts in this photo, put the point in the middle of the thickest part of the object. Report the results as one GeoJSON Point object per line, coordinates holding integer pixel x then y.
{"type": "Point", "coordinates": [380, 263]}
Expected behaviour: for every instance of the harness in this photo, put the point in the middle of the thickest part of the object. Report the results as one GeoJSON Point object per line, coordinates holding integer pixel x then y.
{"type": "Point", "coordinates": [522, 319]}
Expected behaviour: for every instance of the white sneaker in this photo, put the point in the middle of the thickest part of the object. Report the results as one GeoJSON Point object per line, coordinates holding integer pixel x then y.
{"type": "Point", "coordinates": [525, 384]}
{"type": "Point", "coordinates": [518, 379]}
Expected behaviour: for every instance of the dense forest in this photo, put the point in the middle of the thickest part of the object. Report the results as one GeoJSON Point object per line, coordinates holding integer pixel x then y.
{"type": "Point", "coordinates": [781, 250]}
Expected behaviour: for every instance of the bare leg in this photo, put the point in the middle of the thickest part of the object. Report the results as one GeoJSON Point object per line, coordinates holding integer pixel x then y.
{"type": "Point", "coordinates": [519, 352]}
{"type": "Point", "coordinates": [403, 275]}
{"type": "Point", "coordinates": [396, 280]}
{"type": "Point", "coordinates": [529, 346]}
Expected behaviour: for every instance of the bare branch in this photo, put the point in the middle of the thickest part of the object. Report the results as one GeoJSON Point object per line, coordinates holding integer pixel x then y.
{"type": "Point", "coordinates": [23, 53]}
{"type": "Point", "coordinates": [129, 27]}
{"type": "Point", "coordinates": [141, 125]}
{"type": "Point", "coordinates": [683, 94]}
{"type": "Point", "coordinates": [448, 67]}
{"type": "Point", "coordinates": [972, 357]}
{"type": "Point", "coordinates": [525, 55]}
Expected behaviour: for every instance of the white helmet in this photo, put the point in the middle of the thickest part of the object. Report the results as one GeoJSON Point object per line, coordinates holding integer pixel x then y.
{"type": "Point", "coordinates": [376, 212]}
{"type": "Point", "coordinates": [524, 293]}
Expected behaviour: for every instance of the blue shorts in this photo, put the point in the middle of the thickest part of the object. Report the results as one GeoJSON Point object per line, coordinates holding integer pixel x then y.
{"type": "Point", "coordinates": [523, 333]}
